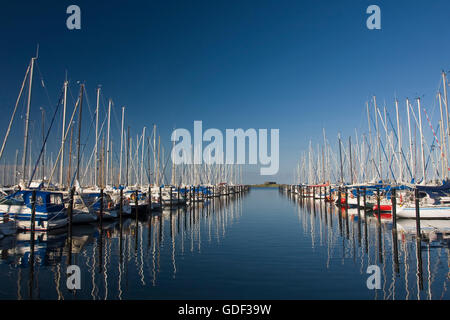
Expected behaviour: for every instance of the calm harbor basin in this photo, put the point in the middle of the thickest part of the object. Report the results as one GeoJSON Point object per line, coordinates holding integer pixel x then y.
{"type": "Point", "coordinates": [263, 244]}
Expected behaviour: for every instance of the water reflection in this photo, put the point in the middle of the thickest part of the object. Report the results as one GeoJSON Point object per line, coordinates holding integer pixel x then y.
{"type": "Point", "coordinates": [411, 268]}
{"type": "Point", "coordinates": [118, 259]}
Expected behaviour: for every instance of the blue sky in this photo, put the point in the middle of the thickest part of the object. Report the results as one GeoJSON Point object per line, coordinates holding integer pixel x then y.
{"type": "Point", "coordinates": [297, 66]}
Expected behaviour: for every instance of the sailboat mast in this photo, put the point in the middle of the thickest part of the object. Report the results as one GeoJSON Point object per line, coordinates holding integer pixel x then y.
{"type": "Point", "coordinates": [128, 154]}
{"type": "Point", "coordinates": [351, 161]}
{"type": "Point", "coordinates": [79, 131]}
{"type": "Point", "coordinates": [410, 141]}
{"type": "Point", "coordinates": [61, 164]}
{"type": "Point", "coordinates": [444, 84]}
{"type": "Point", "coordinates": [96, 176]}
{"type": "Point", "coordinates": [378, 137]}
{"type": "Point", "coordinates": [444, 140]}
{"type": "Point", "coordinates": [340, 159]}
{"type": "Point", "coordinates": [27, 123]}
{"type": "Point", "coordinates": [108, 142]}
{"type": "Point", "coordinates": [121, 147]}
{"type": "Point", "coordinates": [142, 157]}
{"type": "Point", "coordinates": [421, 140]}
{"type": "Point", "coordinates": [399, 132]}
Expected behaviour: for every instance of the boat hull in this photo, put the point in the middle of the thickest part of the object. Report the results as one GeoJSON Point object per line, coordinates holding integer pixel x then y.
{"type": "Point", "coordinates": [425, 212]}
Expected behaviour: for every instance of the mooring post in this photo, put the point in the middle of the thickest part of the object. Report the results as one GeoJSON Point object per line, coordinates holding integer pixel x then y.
{"type": "Point", "coordinates": [357, 199]}
{"type": "Point", "coordinates": [339, 197]}
{"type": "Point", "coordinates": [378, 205]}
{"type": "Point", "coordinates": [160, 197]}
{"type": "Point", "coordinates": [170, 189]}
{"type": "Point", "coordinates": [416, 196]}
{"type": "Point", "coordinates": [32, 228]}
{"type": "Point", "coordinates": [70, 215]}
{"type": "Point", "coordinates": [121, 204]}
{"type": "Point", "coordinates": [364, 201]}
{"type": "Point", "coordinates": [149, 208]}
{"type": "Point", "coordinates": [394, 209]}
{"type": "Point", "coordinates": [136, 204]}
{"type": "Point", "coordinates": [346, 197]}
{"type": "Point", "coordinates": [70, 211]}
{"type": "Point", "coordinates": [358, 202]}
{"type": "Point", "coordinates": [33, 213]}
{"type": "Point", "coordinates": [101, 206]}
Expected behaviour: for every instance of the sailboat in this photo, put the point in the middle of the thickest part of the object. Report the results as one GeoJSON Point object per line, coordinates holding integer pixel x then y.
{"type": "Point", "coordinates": [434, 203]}
{"type": "Point", "coordinates": [50, 212]}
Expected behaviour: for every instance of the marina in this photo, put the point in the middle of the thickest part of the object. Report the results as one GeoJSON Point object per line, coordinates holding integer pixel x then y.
{"type": "Point", "coordinates": [214, 159]}
{"type": "Point", "coordinates": [264, 244]}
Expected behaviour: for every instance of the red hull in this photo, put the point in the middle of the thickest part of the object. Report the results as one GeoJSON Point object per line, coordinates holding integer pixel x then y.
{"type": "Point", "coordinates": [383, 208]}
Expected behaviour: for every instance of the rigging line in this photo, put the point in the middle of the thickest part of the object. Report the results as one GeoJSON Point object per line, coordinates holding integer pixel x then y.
{"type": "Point", "coordinates": [434, 134]}
{"type": "Point", "coordinates": [384, 152]}
{"type": "Point", "coordinates": [388, 140]}
{"type": "Point", "coordinates": [373, 161]}
{"type": "Point", "coordinates": [46, 138]}
{"type": "Point", "coordinates": [71, 122]}
{"type": "Point", "coordinates": [43, 84]}
{"type": "Point", "coordinates": [14, 112]}
{"type": "Point", "coordinates": [401, 147]}
{"type": "Point", "coordinates": [92, 153]}
{"type": "Point", "coordinates": [429, 158]}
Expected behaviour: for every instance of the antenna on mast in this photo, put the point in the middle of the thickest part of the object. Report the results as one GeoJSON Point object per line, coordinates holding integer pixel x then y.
{"type": "Point", "coordinates": [37, 51]}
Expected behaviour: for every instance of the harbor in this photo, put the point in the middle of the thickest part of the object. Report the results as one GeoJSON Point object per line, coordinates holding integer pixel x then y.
{"type": "Point", "coordinates": [263, 244]}
{"type": "Point", "coordinates": [213, 159]}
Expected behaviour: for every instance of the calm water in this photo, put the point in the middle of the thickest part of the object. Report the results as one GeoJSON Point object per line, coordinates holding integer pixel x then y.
{"type": "Point", "coordinates": [261, 245]}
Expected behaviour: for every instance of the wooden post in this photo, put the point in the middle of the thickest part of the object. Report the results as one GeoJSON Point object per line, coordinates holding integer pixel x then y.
{"type": "Point", "coordinates": [136, 204]}
{"type": "Point", "coordinates": [364, 201]}
{"type": "Point", "coordinates": [346, 198]}
{"type": "Point", "coordinates": [32, 227]}
{"type": "Point", "coordinates": [160, 197]}
{"type": "Point", "coordinates": [121, 205]}
{"type": "Point", "coordinates": [101, 206]}
{"type": "Point", "coordinates": [378, 204]}
{"type": "Point", "coordinates": [170, 196]}
{"type": "Point", "coordinates": [33, 213]}
{"type": "Point", "coordinates": [358, 202]}
{"type": "Point", "coordinates": [357, 199]}
{"type": "Point", "coordinates": [70, 215]}
{"type": "Point", "coordinates": [339, 197]}
{"type": "Point", "coordinates": [70, 210]}
{"type": "Point", "coordinates": [416, 196]}
{"type": "Point", "coordinates": [149, 208]}
{"type": "Point", "coordinates": [394, 209]}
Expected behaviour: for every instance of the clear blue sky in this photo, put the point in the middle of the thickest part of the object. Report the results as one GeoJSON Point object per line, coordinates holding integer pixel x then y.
{"type": "Point", "coordinates": [293, 65]}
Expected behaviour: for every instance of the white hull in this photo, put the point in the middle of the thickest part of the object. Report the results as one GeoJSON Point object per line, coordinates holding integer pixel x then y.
{"type": "Point", "coordinates": [426, 212]}
{"type": "Point", "coordinates": [21, 214]}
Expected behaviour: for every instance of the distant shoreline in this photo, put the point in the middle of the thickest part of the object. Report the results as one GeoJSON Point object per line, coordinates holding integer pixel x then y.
{"type": "Point", "coordinates": [264, 185]}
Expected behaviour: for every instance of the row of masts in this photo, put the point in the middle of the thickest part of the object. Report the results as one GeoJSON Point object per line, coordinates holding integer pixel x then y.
{"type": "Point", "coordinates": [68, 159]}
{"type": "Point", "coordinates": [382, 153]}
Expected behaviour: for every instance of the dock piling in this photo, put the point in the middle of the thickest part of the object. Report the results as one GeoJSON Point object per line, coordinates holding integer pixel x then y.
{"type": "Point", "coordinates": [416, 198]}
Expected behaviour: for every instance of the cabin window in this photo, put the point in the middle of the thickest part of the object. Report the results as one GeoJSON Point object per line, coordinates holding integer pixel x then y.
{"type": "Point", "coordinates": [422, 194]}
{"type": "Point", "coordinates": [19, 197]}
{"type": "Point", "coordinates": [56, 199]}
{"type": "Point", "coordinates": [39, 201]}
